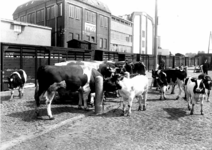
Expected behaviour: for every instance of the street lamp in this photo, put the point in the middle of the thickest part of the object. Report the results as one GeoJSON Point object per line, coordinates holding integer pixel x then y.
{"type": "Point", "coordinates": [156, 36]}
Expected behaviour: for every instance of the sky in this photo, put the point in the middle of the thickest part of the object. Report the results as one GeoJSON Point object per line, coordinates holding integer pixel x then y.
{"type": "Point", "coordinates": [184, 25]}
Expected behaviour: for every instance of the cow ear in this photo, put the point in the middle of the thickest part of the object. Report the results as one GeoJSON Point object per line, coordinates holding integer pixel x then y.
{"type": "Point", "coordinates": [193, 79]}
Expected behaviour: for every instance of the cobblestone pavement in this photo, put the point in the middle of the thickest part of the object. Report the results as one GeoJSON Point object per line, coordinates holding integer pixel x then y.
{"type": "Point", "coordinates": [166, 124]}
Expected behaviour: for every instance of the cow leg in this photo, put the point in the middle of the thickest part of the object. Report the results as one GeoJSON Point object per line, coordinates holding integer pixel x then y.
{"type": "Point", "coordinates": [192, 110]}
{"type": "Point", "coordinates": [180, 88]}
{"type": "Point", "coordinates": [173, 87]}
{"type": "Point", "coordinates": [92, 99]}
{"type": "Point", "coordinates": [130, 105]}
{"type": "Point", "coordinates": [80, 99]}
{"type": "Point", "coordinates": [144, 100]}
{"type": "Point", "coordinates": [139, 100]}
{"type": "Point", "coordinates": [21, 91]}
{"type": "Point", "coordinates": [48, 103]}
{"type": "Point", "coordinates": [12, 94]}
{"type": "Point", "coordinates": [208, 96]}
{"type": "Point", "coordinates": [201, 111]}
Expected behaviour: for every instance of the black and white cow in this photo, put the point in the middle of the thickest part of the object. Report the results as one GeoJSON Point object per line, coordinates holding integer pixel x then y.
{"type": "Point", "coordinates": [129, 89]}
{"type": "Point", "coordinates": [17, 80]}
{"type": "Point", "coordinates": [171, 78]}
{"type": "Point", "coordinates": [195, 93]}
{"type": "Point", "coordinates": [71, 77]}
{"type": "Point", "coordinates": [208, 84]}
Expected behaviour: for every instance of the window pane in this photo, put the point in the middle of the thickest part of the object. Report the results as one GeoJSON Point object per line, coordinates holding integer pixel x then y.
{"type": "Point", "coordinates": [60, 9]}
{"type": "Point", "coordinates": [105, 43]}
{"type": "Point", "coordinates": [101, 43]}
{"type": "Point", "coordinates": [48, 13]}
{"type": "Point", "coordinates": [106, 22]}
{"type": "Point", "coordinates": [38, 16]}
{"type": "Point", "coordinates": [52, 12]}
{"type": "Point", "coordinates": [28, 18]}
{"type": "Point", "coordinates": [71, 11]}
{"type": "Point", "coordinates": [42, 15]}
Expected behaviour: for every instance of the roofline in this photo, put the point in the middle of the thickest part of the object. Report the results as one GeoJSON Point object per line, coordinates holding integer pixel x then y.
{"type": "Point", "coordinates": [121, 18]}
{"type": "Point", "coordinates": [24, 23]}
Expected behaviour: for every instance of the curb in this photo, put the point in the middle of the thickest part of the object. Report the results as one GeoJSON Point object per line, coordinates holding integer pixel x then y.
{"type": "Point", "coordinates": [19, 140]}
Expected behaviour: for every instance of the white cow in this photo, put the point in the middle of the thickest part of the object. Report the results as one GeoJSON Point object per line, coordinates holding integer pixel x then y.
{"type": "Point", "coordinates": [131, 88]}
{"type": "Point", "coordinates": [195, 93]}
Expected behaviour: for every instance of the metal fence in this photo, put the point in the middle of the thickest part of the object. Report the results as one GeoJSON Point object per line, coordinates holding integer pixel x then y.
{"type": "Point", "coordinates": [30, 57]}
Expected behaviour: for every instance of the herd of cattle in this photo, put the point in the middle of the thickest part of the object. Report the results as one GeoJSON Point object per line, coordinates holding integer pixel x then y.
{"type": "Point", "coordinates": [98, 78]}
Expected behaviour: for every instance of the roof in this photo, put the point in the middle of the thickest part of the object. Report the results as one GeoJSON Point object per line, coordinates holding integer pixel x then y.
{"type": "Point", "coordinates": [96, 3]}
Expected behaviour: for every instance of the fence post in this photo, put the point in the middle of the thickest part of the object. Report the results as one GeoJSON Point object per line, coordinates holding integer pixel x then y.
{"type": "Point", "coordinates": [2, 66]}
{"type": "Point", "coordinates": [49, 58]}
{"type": "Point", "coordinates": [36, 57]}
{"type": "Point", "coordinates": [21, 58]}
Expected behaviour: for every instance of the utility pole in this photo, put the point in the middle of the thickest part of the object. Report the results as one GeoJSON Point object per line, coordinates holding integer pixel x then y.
{"type": "Point", "coordinates": [156, 34]}
{"type": "Point", "coordinates": [209, 43]}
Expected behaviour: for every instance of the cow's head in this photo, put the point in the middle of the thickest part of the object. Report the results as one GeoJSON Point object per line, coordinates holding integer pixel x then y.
{"type": "Point", "coordinates": [206, 80]}
{"type": "Point", "coordinates": [199, 87]}
{"type": "Point", "coordinates": [13, 81]}
{"type": "Point", "coordinates": [139, 68]}
{"type": "Point", "coordinates": [161, 78]}
{"type": "Point", "coordinates": [112, 84]}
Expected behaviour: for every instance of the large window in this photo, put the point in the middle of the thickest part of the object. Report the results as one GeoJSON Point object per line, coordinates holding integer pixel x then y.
{"type": "Point", "coordinates": [77, 13]}
{"type": "Point", "coordinates": [48, 13]}
{"type": "Point", "coordinates": [105, 43]}
{"type": "Point", "coordinates": [60, 10]}
{"type": "Point", "coordinates": [101, 43]}
{"type": "Point", "coordinates": [103, 21]}
{"type": "Point", "coordinates": [71, 11]}
{"type": "Point", "coordinates": [90, 17]}
{"type": "Point", "coordinates": [52, 12]}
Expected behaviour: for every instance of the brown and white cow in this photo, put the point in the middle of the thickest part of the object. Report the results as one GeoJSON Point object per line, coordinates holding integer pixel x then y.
{"type": "Point", "coordinates": [71, 77]}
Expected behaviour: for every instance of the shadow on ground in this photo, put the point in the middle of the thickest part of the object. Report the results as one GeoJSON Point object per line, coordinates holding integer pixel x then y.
{"type": "Point", "coordinates": [30, 116]}
{"type": "Point", "coordinates": [175, 113]}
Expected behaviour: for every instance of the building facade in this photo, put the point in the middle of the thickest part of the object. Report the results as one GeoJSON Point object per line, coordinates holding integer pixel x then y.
{"type": "Point", "coordinates": [69, 19]}
{"type": "Point", "coordinates": [20, 33]}
{"type": "Point", "coordinates": [91, 21]}
{"type": "Point", "coordinates": [121, 35]}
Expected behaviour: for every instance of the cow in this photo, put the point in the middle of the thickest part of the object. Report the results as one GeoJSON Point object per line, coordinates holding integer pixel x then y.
{"type": "Point", "coordinates": [195, 93]}
{"type": "Point", "coordinates": [208, 84]}
{"type": "Point", "coordinates": [129, 89]}
{"type": "Point", "coordinates": [71, 77]}
{"type": "Point", "coordinates": [17, 80]}
{"type": "Point", "coordinates": [169, 78]}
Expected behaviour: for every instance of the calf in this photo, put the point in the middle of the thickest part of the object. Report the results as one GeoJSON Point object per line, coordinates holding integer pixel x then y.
{"type": "Point", "coordinates": [17, 79]}
{"type": "Point", "coordinates": [195, 93]}
{"type": "Point", "coordinates": [129, 89]}
{"type": "Point", "coordinates": [208, 84]}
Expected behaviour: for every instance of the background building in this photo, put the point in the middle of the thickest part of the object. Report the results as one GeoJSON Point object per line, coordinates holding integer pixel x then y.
{"type": "Point", "coordinates": [121, 35]}
{"type": "Point", "coordinates": [69, 19]}
{"type": "Point", "coordinates": [20, 33]}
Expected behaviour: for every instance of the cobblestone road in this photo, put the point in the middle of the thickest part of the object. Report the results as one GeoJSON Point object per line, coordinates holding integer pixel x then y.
{"type": "Point", "coordinates": [164, 125]}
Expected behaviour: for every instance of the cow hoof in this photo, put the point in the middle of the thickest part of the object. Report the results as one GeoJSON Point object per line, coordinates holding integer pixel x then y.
{"type": "Point", "coordinates": [51, 118]}
{"type": "Point", "coordinates": [191, 113]}
{"type": "Point", "coordinates": [202, 113]}
{"type": "Point", "coordinates": [139, 108]}
{"type": "Point", "coordinates": [189, 108]}
{"type": "Point", "coordinates": [80, 107]}
{"type": "Point", "coordinates": [144, 108]}
{"type": "Point", "coordinates": [172, 93]}
{"type": "Point", "coordinates": [86, 109]}
{"type": "Point", "coordinates": [177, 97]}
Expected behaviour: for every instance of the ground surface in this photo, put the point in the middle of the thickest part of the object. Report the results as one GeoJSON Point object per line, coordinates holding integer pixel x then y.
{"type": "Point", "coordinates": [166, 124]}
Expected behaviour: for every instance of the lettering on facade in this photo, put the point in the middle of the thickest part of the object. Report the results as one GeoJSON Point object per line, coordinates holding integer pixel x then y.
{"type": "Point", "coordinates": [90, 27]}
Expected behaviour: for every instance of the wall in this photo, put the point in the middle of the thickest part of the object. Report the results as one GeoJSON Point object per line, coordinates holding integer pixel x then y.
{"type": "Point", "coordinates": [30, 34]}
